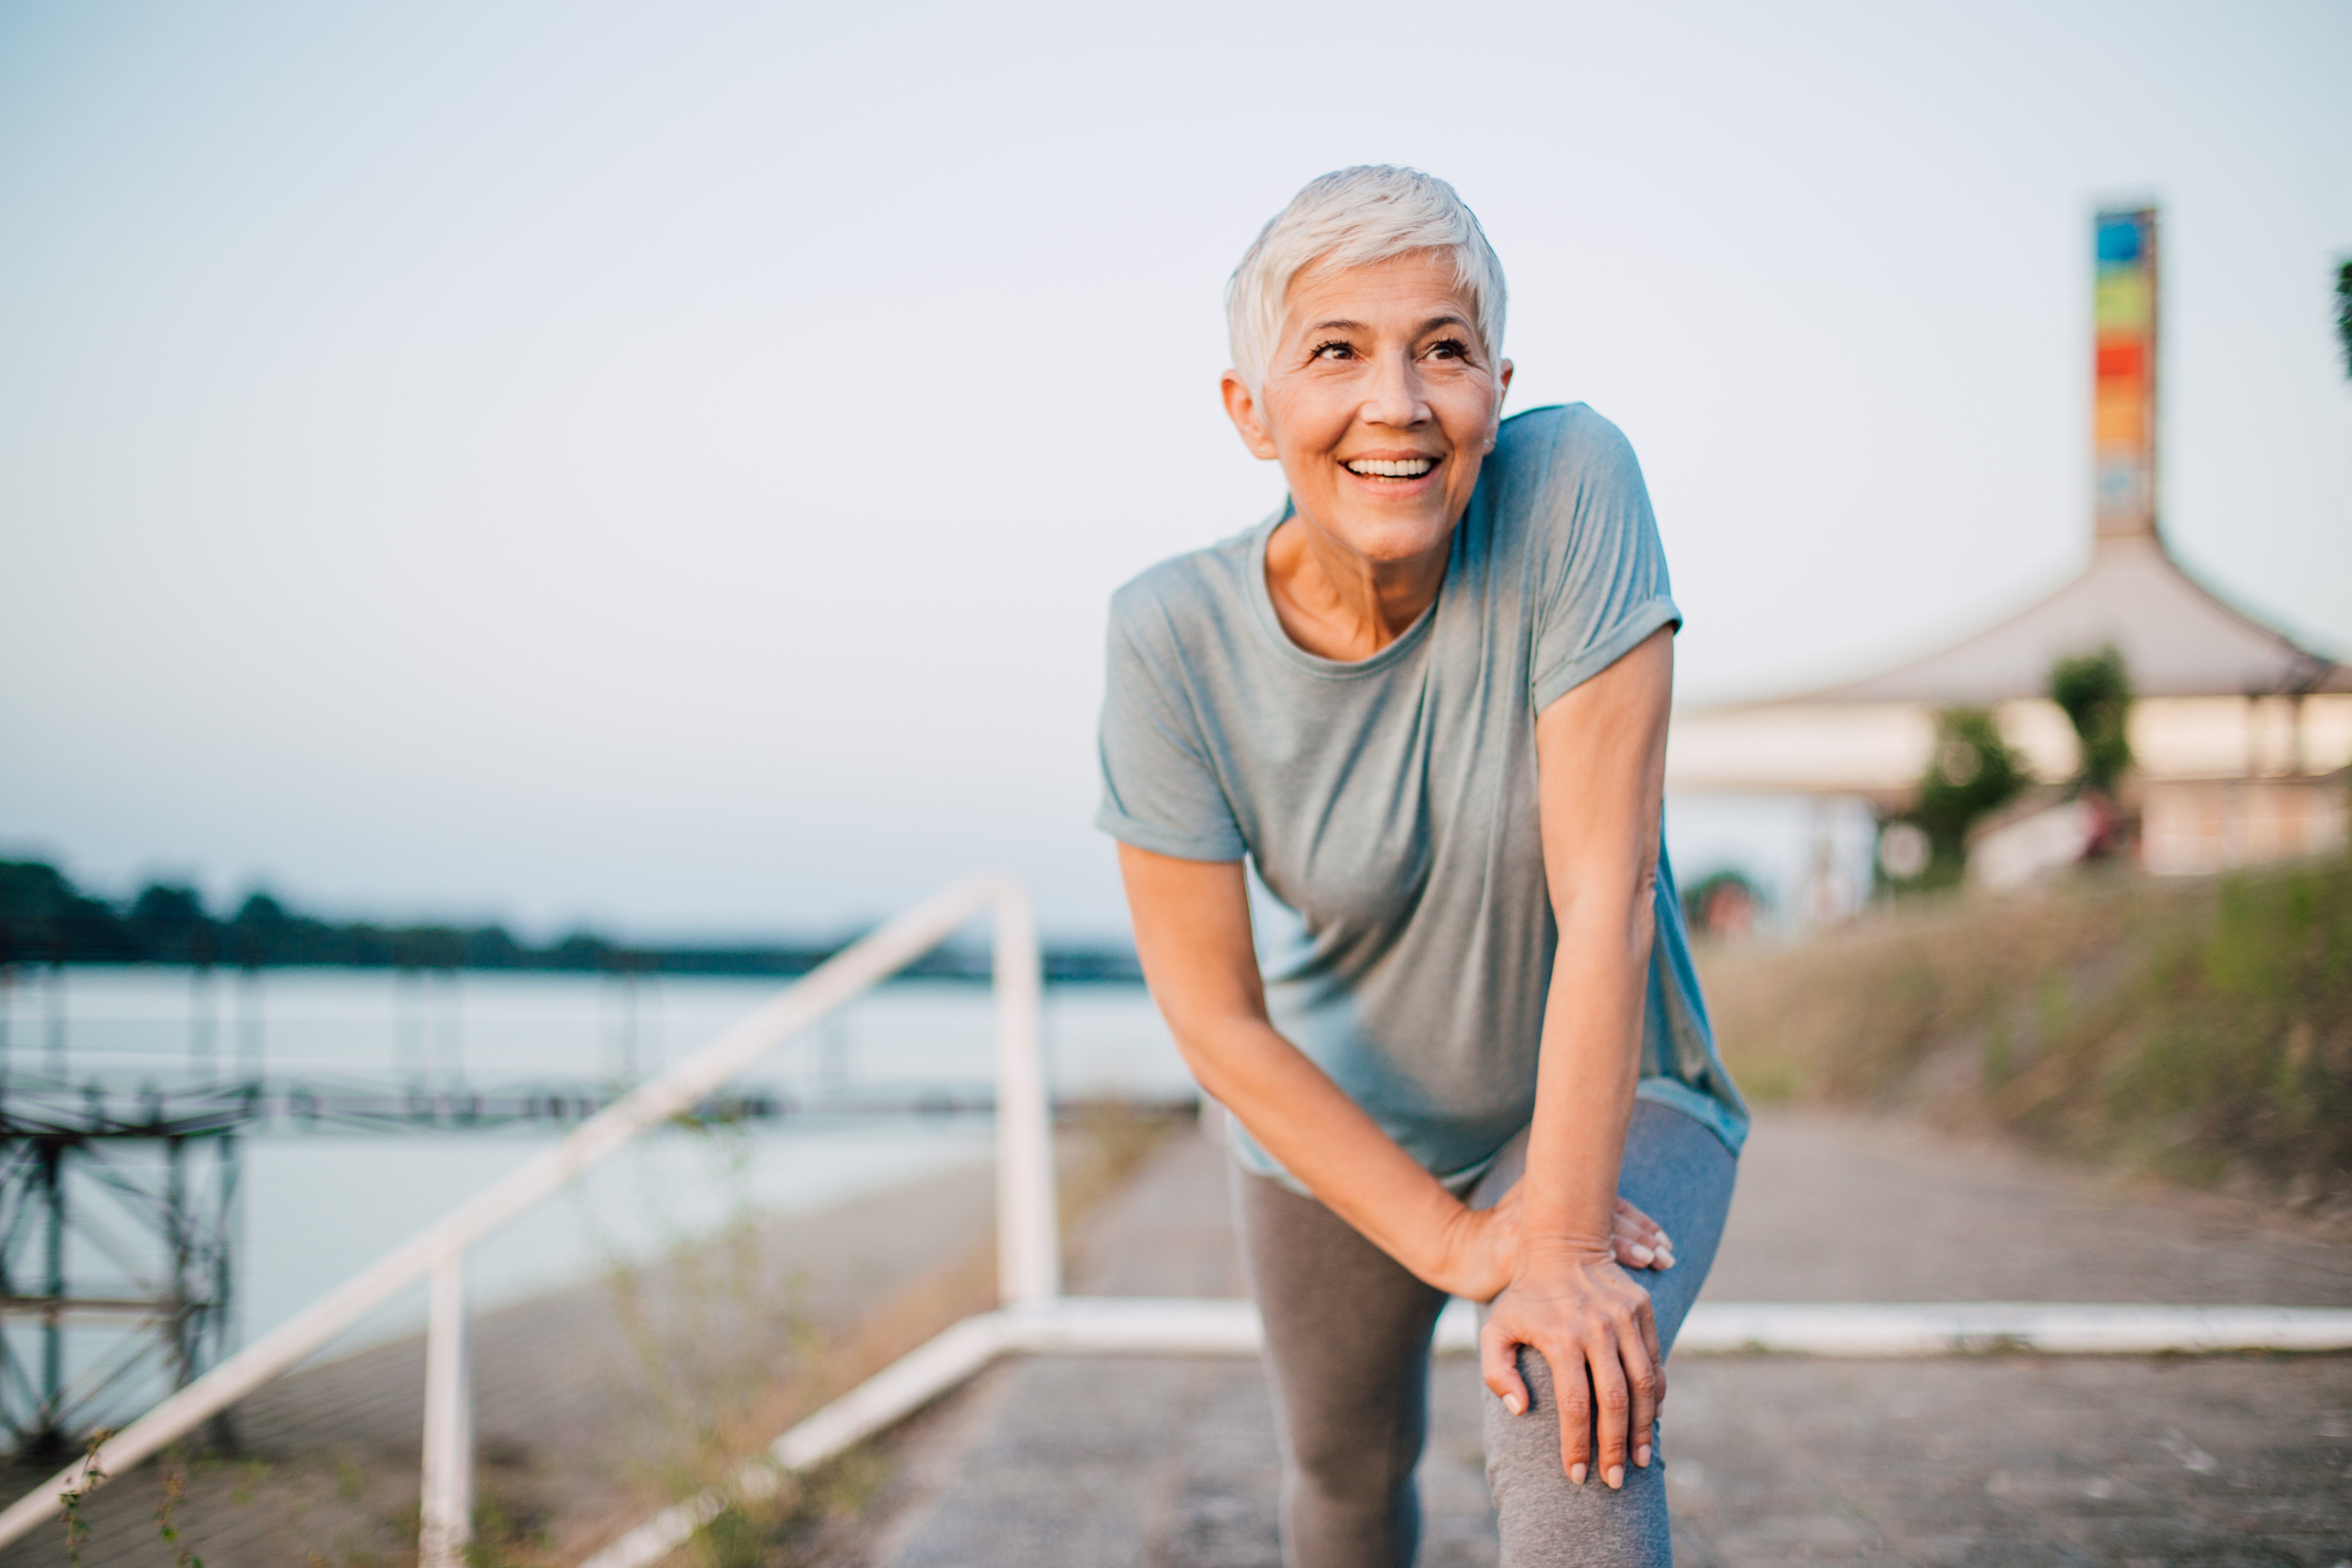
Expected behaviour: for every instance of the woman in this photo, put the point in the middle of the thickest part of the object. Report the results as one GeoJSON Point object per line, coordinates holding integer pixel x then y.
{"type": "Point", "coordinates": [1427, 702]}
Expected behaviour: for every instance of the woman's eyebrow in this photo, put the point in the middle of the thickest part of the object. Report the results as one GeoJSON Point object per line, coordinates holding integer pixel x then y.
{"type": "Point", "coordinates": [1430, 325]}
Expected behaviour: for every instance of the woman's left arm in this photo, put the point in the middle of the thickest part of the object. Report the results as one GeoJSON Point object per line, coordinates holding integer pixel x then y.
{"type": "Point", "coordinates": [1600, 754]}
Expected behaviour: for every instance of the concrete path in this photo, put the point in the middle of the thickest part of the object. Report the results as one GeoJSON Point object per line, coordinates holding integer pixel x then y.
{"type": "Point", "coordinates": [1998, 1461]}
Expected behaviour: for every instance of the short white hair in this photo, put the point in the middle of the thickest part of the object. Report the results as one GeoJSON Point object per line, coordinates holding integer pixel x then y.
{"type": "Point", "coordinates": [1357, 217]}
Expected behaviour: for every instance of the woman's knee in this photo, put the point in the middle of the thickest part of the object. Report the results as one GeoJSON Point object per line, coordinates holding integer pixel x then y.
{"type": "Point", "coordinates": [1352, 1458]}
{"type": "Point", "coordinates": [1546, 1521]}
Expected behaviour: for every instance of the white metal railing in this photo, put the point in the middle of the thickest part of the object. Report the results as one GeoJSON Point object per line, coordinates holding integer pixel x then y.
{"type": "Point", "coordinates": [1028, 1248]}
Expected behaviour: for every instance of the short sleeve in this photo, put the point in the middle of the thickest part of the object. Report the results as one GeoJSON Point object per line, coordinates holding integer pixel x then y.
{"type": "Point", "coordinates": [1599, 570]}
{"type": "Point", "coordinates": [1160, 790]}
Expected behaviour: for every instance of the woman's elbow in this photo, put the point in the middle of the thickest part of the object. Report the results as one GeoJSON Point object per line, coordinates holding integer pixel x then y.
{"type": "Point", "coordinates": [1606, 910]}
{"type": "Point", "coordinates": [1642, 910]}
{"type": "Point", "coordinates": [1208, 1053]}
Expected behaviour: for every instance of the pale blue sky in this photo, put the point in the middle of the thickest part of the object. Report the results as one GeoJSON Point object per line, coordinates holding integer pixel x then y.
{"type": "Point", "coordinates": [664, 466]}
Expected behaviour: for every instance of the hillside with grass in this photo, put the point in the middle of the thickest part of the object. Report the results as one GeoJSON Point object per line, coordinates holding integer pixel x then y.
{"type": "Point", "coordinates": [2200, 1028]}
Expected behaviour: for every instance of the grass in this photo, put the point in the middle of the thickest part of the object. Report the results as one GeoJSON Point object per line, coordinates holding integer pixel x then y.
{"type": "Point", "coordinates": [2201, 1028]}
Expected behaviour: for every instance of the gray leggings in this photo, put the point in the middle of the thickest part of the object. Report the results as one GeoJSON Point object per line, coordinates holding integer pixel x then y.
{"type": "Point", "coordinates": [1348, 1333]}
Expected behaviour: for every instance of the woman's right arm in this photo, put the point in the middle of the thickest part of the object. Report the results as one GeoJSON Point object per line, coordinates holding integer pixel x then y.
{"type": "Point", "coordinates": [1192, 933]}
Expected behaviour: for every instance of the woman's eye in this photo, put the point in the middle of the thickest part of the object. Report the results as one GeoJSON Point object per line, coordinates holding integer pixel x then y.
{"type": "Point", "coordinates": [1450, 348]}
{"type": "Point", "coordinates": [1334, 351]}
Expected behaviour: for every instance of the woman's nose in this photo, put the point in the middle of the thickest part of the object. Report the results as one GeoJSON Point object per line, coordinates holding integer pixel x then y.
{"type": "Point", "coordinates": [1395, 396]}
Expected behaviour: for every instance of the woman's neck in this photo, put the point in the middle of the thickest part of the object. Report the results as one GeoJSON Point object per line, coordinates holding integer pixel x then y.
{"type": "Point", "coordinates": [1337, 605]}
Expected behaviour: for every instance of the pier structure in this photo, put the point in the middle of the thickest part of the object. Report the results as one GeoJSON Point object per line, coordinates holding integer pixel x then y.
{"type": "Point", "coordinates": [117, 1221]}
{"type": "Point", "coordinates": [121, 1229]}
{"type": "Point", "coordinates": [120, 1191]}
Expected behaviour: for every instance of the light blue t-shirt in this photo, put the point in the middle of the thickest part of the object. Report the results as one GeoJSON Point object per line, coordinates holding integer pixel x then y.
{"type": "Point", "coordinates": [1390, 805]}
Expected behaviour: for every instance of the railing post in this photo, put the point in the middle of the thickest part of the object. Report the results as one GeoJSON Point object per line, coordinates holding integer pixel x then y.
{"type": "Point", "coordinates": [449, 1512]}
{"type": "Point", "coordinates": [1028, 1238]}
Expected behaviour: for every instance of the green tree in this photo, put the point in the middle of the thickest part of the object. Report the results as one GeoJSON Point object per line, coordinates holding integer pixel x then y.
{"type": "Point", "coordinates": [44, 916]}
{"type": "Point", "coordinates": [1971, 773]}
{"type": "Point", "coordinates": [2094, 690]}
{"type": "Point", "coordinates": [2343, 312]}
{"type": "Point", "coordinates": [170, 925]}
{"type": "Point", "coordinates": [1722, 903]}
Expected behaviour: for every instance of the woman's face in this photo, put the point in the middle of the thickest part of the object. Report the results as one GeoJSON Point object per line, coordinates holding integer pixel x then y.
{"type": "Point", "coordinates": [1379, 402]}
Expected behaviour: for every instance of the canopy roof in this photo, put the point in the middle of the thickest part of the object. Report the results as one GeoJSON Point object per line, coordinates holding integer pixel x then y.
{"type": "Point", "coordinates": [2178, 640]}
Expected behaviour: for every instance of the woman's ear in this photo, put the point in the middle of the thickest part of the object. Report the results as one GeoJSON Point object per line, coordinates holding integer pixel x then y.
{"type": "Point", "coordinates": [1243, 410]}
{"type": "Point", "coordinates": [1502, 391]}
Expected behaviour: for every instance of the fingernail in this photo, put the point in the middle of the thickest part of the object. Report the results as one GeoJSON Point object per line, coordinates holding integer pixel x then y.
{"type": "Point", "coordinates": [1576, 1474]}
{"type": "Point", "coordinates": [1642, 1455]}
{"type": "Point", "coordinates": [1514, 1404]}
{"type": "Point", "coordinates": [1642, 1254]}
{"type": "Point", "coordinates": [1616, 1478]}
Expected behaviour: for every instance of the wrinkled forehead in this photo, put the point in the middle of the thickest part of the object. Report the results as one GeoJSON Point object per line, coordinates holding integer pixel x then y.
{"type": "Point", "coordinates": [1403, 294]}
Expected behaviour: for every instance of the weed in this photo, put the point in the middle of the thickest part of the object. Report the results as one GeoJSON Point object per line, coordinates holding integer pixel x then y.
{"type": "Point", "coordinates": [77, 1527]}
{"type": "Point", "coordinates": [1997, 1052]}
{"type": "Point", "coordinates": [507, 1535]}
{"type": "Point", "coordinates": [780, 1530]}
{"type": "Point", "coordinates": [175, 1481]}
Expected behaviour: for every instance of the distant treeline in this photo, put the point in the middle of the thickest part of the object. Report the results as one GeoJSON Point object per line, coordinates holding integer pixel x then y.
{"type": "Point", "coordinates": [45, 919]}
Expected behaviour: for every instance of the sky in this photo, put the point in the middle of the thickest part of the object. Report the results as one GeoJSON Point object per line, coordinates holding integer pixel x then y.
{"type": "Point", "coordinates": [663, 467]}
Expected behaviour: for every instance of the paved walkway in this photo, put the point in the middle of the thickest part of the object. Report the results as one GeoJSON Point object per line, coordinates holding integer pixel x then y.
{"type": "Point", "coordinates": [1998, 1461]}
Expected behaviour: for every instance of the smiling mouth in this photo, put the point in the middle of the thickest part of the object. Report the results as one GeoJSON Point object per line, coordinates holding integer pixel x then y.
{"type": "Point", "coordinates": [1390, 468]}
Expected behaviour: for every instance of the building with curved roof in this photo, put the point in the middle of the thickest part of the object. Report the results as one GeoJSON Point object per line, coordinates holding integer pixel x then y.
{"type": "Point", "coordinates": [2240, 736]}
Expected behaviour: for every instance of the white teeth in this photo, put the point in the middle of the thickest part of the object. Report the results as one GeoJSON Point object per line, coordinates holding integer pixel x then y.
{"type": "Point", "coordinates": [1405, 469]}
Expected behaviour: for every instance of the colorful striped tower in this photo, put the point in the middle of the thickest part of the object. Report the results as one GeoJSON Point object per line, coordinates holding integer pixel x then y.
{"type": "Point", "coordinates": [2123, 417]}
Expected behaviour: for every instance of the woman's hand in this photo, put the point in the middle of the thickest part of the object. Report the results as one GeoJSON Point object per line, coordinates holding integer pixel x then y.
{"type": "Point", "coordinates": [1583, 1316]}
{"type": "Point", "coordinates": [1483, 1253]}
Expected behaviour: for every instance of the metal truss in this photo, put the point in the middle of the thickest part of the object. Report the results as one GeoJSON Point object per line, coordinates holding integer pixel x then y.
{"type": "Point", "coordinates": [117, 1243]}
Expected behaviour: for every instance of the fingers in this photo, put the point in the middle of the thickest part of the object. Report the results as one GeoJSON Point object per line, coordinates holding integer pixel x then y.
{"type": "Point", "coordinates": [1638, 1240]}
{"type": "Point", "coordinates": [1645, 1376]}
{"type": "Point", "coordinates": [1498, 1363]}
{"type": "Point", "coordinates": [1634, 1248]}
{"type": "Point", "coordinates": [1608, 1394]}
{"type": "Point", "coordinates": [1572, 1392]}
{"type": "Point", "coordinates": [1611, 1397]}
{"type": "Point", "coordinates": [1647, 1318]}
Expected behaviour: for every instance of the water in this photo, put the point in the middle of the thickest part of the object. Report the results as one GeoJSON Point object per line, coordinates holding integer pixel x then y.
{"type": "Point", "coordinates": [317, 1206]}
{"type": "Point", "coordinates": [383, 1028]}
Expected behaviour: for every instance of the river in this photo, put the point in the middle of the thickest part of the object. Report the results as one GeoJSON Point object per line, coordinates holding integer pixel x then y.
{"type": "Point", "coordinates": [315, 1205]}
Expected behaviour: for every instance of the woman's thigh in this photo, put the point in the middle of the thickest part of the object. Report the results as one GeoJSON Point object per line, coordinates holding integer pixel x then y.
{"type": "Point", "coordinates": [1680, 1174]}
{"type": "Point", "coordinates": [1346, 1339]}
